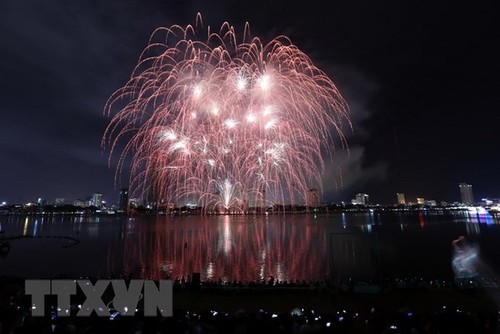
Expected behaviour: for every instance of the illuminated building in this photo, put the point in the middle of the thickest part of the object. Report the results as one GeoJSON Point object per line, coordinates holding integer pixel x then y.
{"type": "Point", "coordinates": [60, 201]}
{"type": "Point", "coordinates": [420, 200]}
{"type": "Point", "coordinates": [123, 203]}
{"type": "Point", "coordinates": [401, 198]}
{"type": "Point", "coordinates": [466, 193]}
{"type": "Point", "coordinates": [97, 200]}
{"type": "Point", "coordinates": [361, 199]}
{"type": "Point", "coordinates": [80, 203]}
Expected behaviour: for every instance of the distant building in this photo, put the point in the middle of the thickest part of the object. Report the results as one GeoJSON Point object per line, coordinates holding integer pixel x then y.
{"type": "Point", "coordinates": [466, 193]}
{"type": "Point", "coordinates": [135, 203]}
{"type": "Point", "coordinates": [312, 199]}
{"type": "Point", "coordinates": [97, 200]}
{"type": "Point", "coordinates": [123, 202]}
{"type": "Point", "coordinates": [361, 199]}
{"type": "Point", "coordinates": [41, 201]}
{"type": "Point", "coordinates": [260, 200]}
{"type": "Point", "coordinates": [490, 201]}
{"type": "Point", "coordinates": [60, 201]}
{"type": "Point", "coordinates": [79, 203]}
{"type": "Point", "coordinates": [420, 200]}
{"type": "Point", "coordinates": [401, 198]}
{"type": "Point", "coordinates": [431, 202]}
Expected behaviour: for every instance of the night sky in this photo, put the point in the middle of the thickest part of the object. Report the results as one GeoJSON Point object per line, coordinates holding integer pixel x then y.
{"type": "Point", "coordinates": [421, 77]}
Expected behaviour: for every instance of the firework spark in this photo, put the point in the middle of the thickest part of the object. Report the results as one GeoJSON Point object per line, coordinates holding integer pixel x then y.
{"type": "Point", "coordinates": [226, 123]}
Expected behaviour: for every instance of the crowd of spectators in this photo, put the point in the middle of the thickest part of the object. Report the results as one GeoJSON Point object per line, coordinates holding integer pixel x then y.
{"type": "Point", "coordinates": [297, 321]}
{"type": "Point", "coordinates": [405, 318]}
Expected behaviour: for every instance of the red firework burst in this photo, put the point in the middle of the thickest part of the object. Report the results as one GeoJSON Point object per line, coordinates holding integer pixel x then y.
{"type": "Point", "coordinates": [223, 122]}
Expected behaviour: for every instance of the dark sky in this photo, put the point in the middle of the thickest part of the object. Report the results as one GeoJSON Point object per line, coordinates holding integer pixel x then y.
{"type": "Point", "coordinates": [421, 77]}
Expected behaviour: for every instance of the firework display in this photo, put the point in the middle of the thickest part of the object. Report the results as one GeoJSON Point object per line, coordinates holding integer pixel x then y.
{"type": "Point", "coordinates": [223, 122]}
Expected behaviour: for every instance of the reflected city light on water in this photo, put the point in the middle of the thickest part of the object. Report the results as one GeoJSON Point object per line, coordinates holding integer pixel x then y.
{"type": "Point", "coordinates": [244, 247]}
{"type": "Point", "coordinates": [480, 217]}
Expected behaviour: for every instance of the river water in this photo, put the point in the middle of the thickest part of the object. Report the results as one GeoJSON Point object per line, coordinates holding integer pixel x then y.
{"type": "Point", "coordinates": [307, 247]}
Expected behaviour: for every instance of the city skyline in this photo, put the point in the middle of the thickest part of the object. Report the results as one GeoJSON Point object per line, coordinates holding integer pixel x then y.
{"type": "Point", "coordinates": [312, 199]}
{"type": "Point", "coordinates": [420, 82]}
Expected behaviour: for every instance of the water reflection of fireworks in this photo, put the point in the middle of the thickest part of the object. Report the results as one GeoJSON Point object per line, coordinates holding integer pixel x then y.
{"type": "Point", "coordinates": [227, 248]}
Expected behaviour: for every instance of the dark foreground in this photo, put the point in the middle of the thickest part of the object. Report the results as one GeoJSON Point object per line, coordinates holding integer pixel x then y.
{"type": "Point", "coordinates": [285, 309]}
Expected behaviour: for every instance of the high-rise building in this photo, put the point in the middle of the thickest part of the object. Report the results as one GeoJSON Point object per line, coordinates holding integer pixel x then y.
{"type": "Point", "coordinates": [97, 200]}
{"type": "Point", "coordinates": [466, 193]}
{"type": "Point", "coordinates": [123, 203]}
{"type": "Point", "coordinates": [401, 198]}
{"type": "Point", "coordinates": [361, 199]}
